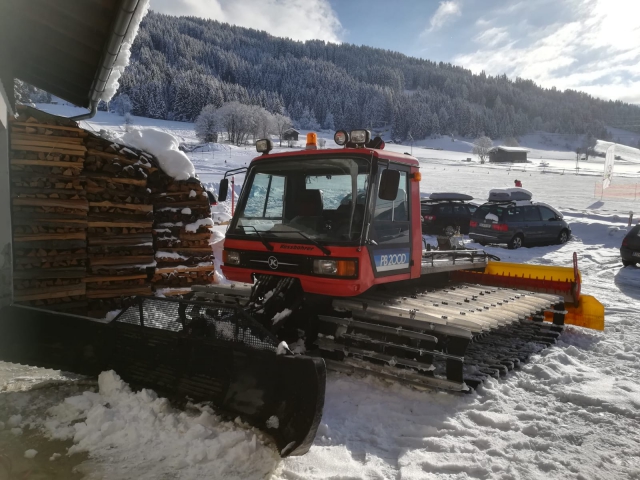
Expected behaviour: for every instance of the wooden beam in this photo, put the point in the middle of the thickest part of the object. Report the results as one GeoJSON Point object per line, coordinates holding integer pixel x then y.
{"type": "Point", "coordinates": [126, 206]}
{"type": "Point", "coordinates": [122, 260]}
{"type": "Point", "coordinates": [51, 202]}
{"type": "Point", "coordinates": [45, 125]}
{"type": "Point", "coordinates": [47, 163]}
{"type": "Point", "coordinates": [21, 144]}
{"type": "Point", "coordinates": [22, 137]}
{"type": "Point", "coordinates": [39, 237]}
{"type": "Point", "coordinates": [105, 178]}
{"type": "Point", "coordinates": [49, 292]}
{"type": "Point", "coordinates": [121, 224]}
{"type": "Point", "coordinates": [128, 291]}
{"type": "Point", "coordinates": [114, 278]}
{"type": "Point", "coordinates": [48, 273]}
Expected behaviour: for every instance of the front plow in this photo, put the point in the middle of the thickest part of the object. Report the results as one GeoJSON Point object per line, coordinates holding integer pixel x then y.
{"type": "Point", "coordinates": [186, 351]}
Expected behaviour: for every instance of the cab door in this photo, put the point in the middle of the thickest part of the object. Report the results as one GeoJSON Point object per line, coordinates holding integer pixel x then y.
{"type": "Point", "coordinates": [390, 231]}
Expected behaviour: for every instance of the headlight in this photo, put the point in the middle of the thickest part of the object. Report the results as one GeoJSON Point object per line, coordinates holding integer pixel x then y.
{"type": "Point", "coordinates": [360, 136]}
{"type": "Point", "coordinates": [230, 257]}
{"type": "Point", "coordinates": [338, 268]}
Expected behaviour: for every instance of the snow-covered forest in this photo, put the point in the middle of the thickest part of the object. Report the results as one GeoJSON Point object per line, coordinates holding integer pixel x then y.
{"type": "Point", "coordinates": [180, 65]}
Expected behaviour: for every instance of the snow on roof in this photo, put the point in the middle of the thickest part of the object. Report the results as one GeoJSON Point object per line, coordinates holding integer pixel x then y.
{"type": "Point", "coordinates": [291, 130]}
{"type": "Point", "coordinates": [504, 148]}
{"type": "Point", "coordinates": [122, 60]}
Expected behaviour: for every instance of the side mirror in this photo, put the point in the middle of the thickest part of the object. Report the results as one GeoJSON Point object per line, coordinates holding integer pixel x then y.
{"type": "Point", "coordinates": [223, 190]}
{"type": "Point", "coordinates": [389, 183]}
{"type": "Point", "coordinates": [212, 198]}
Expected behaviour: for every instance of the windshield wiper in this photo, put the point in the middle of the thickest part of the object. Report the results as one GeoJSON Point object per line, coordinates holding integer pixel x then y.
{"type": "Point", "coordinates": [260, 237]}
{"type": "Point", "coordinates": [324, 249]}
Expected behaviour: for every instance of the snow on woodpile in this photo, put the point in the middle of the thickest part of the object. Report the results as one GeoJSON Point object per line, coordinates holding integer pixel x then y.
{"type": "Point", "coordinates": [164, 146]}
{"type": "Point", "coordinates": [122, 60]}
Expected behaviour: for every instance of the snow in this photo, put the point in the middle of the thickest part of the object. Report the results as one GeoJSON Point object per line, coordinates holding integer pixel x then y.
{"type": "Point", "coordinates": [283, 348]}
{"type": "Point", "coordinates": [31, 453]}
{"type": "Point", "coordinates": [164, 146]}
{"type": "Point", "coordinates": [193, 227]}
{"type": "Point", "coordinates": [186, 211]}
{"type": "Point", "coordinates": [570, 412]}
{"type": "Point", "coordinates": [122, 60]}
{"type": "Point", "coordinates": [509, 149]}
{"type": "Point", "coordinates": [281, 315]}
{"type": "Point", "coordinates": [173, 255]}
{"type": "Point", "coordinates": [115, 422]}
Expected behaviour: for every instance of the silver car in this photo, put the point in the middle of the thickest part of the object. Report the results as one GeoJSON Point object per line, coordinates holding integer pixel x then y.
{"type": "Point", "coordinates": [518, 224]}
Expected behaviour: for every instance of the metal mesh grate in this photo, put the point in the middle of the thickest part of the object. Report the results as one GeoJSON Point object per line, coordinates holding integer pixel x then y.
{"type": "Point", "coordinates": [201, 320]}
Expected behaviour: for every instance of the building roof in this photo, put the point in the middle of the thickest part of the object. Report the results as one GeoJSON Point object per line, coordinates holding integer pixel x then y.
{"type": "Point", "coordinates": [66, 47]}
{"type": "Point", "coordinates": [291, 130]}
{"type": "Point", "coordinates": [504, 148]}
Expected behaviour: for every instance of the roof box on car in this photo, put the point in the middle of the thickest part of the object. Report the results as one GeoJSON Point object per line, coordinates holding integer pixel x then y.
{"type": "Point", "coordinates": [509, 194]}
{"type": "Point", "coordinates": [450, 196]}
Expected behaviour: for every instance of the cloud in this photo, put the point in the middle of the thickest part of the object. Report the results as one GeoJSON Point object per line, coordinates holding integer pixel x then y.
{"type": "Point", "coordinates": [492, 37]}
{"type": "Point", "coordinates": [296, 19]}
{"type": "Point", "coordinates": [445, 13]}
{"type": "Point", "coordinates": [593, 46]}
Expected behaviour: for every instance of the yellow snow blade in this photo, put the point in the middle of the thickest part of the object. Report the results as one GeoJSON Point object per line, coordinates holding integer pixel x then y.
{"type": "Point", "coordinates": [525, 270]}
{"type": "Point", "coordinates": [588, 314]}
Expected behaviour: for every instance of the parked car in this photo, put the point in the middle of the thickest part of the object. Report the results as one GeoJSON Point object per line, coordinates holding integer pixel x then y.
{"type": "Point", "coordinates": [443, 213]}
{"type": "Point", "coordinates": [630, 248]}
{"type": "Point", "coordinates": [518, 223]}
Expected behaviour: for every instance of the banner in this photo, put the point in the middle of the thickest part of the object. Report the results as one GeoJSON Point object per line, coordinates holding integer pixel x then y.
{"type": "Point", "coordinates": [608, 166]}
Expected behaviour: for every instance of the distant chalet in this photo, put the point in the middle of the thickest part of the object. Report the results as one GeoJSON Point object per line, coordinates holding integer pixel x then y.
{"type": "Point", "coordinates": [291, 134]}
{"type": "Point", "coordinates": [503, 154]}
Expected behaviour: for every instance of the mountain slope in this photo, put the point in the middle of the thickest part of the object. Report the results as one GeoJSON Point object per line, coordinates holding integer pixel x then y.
{"type": "Point", "coordinates": [181, 64]}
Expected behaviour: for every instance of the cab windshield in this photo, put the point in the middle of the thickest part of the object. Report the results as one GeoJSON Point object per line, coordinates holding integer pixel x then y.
{"type": "Point", "coordinates": [294, 198]}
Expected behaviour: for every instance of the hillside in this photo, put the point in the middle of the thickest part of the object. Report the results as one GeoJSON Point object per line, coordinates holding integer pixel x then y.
{"type": "Point", "coordinates": [181, 64]}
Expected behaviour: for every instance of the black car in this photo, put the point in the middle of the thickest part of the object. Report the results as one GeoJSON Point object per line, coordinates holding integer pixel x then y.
{"type": "Point", "coordinates": [630, 249]}
{"type": "Point", "coordinates": [518, 223]}
{"type": "Point", "coordinates": [444, 213]}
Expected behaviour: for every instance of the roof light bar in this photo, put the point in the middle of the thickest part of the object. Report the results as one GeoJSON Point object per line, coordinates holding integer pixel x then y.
{"type": "Point", "coordinates": [264, 146]}
{"type": "Point", "coordinates": [360, 137]}
{"type": "Point", "coordinates": [341, 137]}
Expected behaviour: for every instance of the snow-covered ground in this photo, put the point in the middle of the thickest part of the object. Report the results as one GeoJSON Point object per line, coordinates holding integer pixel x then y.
{"type": "Point", "coordinates": [571, 412]}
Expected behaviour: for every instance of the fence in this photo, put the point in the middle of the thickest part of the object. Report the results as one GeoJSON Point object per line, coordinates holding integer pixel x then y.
{"type": "Point", "coordinates": [627, 191]}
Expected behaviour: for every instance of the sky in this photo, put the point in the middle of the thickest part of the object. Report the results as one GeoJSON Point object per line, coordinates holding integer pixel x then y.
{"type": "Point", "coordinates": [587, 45]}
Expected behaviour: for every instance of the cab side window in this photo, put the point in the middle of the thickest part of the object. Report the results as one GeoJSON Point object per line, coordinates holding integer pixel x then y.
{"type": "Point", "coordinates": [390, 223]}
{"type": "Point", "coordinates": [394, 210]}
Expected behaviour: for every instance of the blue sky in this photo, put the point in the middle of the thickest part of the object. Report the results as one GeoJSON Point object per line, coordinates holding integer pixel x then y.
{"type": "Point", "coordinates": [588, 45]}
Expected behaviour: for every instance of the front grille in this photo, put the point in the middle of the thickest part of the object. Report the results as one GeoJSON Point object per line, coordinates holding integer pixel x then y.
{"type": "Point", "coordinates": [276, 262]}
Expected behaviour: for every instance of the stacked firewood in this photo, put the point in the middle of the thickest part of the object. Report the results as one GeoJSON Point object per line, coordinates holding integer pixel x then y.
{"type": "Point", "coordinates": [93, 219]}
{"type": "Point", "coordinates": [120, 222]}
{"type": "Point", "coordinates": [182, 235]}
{"type": "Point", "coordinates": [49, 211]}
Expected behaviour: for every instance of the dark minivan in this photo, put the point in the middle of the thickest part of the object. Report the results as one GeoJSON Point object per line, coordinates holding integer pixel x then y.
{"type": "Point", "coordinates": [630, 248]}
{"type": "Point", "coordinates": [518, 224]}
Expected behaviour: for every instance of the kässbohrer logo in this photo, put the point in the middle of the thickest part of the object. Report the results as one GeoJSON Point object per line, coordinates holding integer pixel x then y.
{"type": "Point", "coordinates": [296, 247]}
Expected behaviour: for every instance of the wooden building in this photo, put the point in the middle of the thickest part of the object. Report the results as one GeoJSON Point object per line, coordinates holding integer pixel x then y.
{"type": "Point", "coordinates": [504, 154]}
{"type": "Point", "coordinates": [291, 134]}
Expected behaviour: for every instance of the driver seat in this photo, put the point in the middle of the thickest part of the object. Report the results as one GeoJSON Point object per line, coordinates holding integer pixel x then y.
{"type": "Point", "coordinates": [310, 203]}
